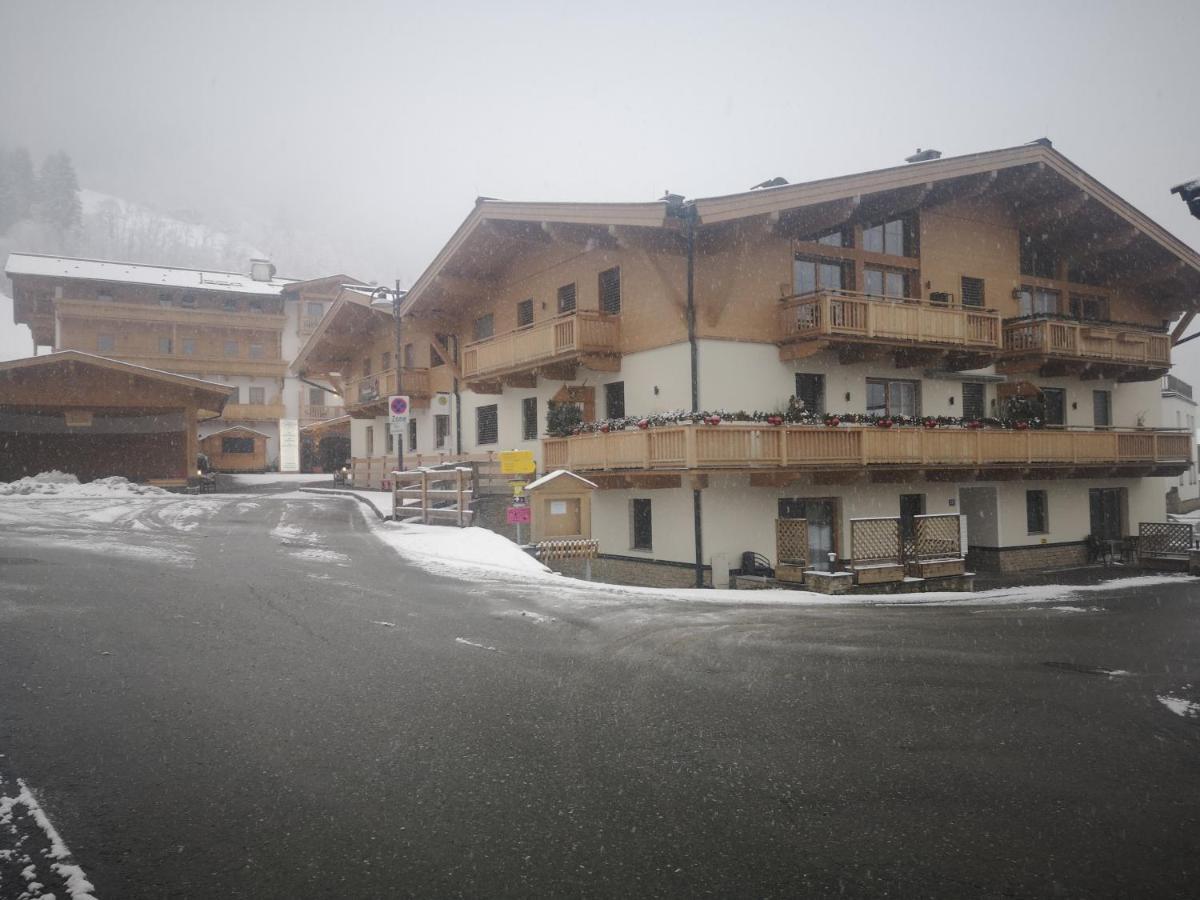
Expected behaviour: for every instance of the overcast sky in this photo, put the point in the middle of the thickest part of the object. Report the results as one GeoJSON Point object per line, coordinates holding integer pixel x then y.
{"type": "Point", "coordinates": [373, 125]}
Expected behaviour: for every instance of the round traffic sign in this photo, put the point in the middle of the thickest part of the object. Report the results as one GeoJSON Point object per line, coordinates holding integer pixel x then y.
{"type": "Point", "coordinates": [399, 406]}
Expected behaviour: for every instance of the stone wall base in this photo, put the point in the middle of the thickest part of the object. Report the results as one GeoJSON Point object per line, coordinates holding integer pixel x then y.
{"type": "Point", "coordinates": [1026, 560]}
{"type": "Point", "coordinates": [636, 572]}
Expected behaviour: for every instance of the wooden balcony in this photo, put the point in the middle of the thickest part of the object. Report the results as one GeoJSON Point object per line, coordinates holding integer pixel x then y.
{"type": "Point", "coordinates": [558, 345]}
{"type": "Point", "coordinates": [366, 397]}
{"type": "Point", "coordinates": [1052, 346]}
{"type": "Point", "coordinates": [204, 366]}
{"type": "Point", "coordinates": [960, 337]}
{"type": "Point", "coordinates": [310, 412]}
{"type": "Point", "coordinates": [253, 412]}
{"type": "Point", "coordinates": [176, 315]}
{"type": "Point", "coordinates": [957, 454]}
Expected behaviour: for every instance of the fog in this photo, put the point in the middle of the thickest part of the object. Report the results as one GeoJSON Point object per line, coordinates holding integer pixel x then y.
{"type": "Point", "coordinates": [355, 137]}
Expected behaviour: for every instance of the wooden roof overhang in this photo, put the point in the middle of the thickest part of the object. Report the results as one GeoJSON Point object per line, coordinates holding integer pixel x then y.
{"type": "Point", "coordinates": [70, 379]}
{"type": "Point", "coordinates": [349, 323]}
{"type": "Point", "coordinates": [481, 251]}
{"type": "Point", "coordinates": [1048, 194]}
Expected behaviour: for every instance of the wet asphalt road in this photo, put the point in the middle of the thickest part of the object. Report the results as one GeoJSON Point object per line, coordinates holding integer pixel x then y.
{"type": "Point", "coordinates": [240, 724]}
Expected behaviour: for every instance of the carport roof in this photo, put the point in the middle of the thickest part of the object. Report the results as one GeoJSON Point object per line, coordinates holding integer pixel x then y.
{"type": "Point", "coordinates": [209, 394]}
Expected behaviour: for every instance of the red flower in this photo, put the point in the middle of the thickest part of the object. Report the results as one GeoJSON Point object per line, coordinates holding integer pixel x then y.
{"type": "Point", "coordinates": [1021, 425]}
{"type": "Point", "coordinates": [833, 421]}
{"type": "Point", "coordinates": [975, 424]}
{"type": "Point", "coordinates": [774, 420]}
{"type": "Point", "coordinates": [604, 428]}
{"type": "Point", "coordinates": [643, 424]}
{"type": "Point", "coordinates": [713, 420]}
{"type": "Point", "coordinates": [930, 423]}
{"type": "Point", "coordinates": [885, 423]}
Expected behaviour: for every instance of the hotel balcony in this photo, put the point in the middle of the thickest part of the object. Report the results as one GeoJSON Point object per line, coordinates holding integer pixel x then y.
{"type": "Point", "coordinates": [558, 345]}
{"type": "Point", "coordinates": [1052, 346]}
{"type": "Point", "coordinates": [779, 454]}
{"type": "Point", "coordinates": [955, 337]}
{"type": "Point", "coordinates": [176, 315]}
{"type": "Point", "coordinates": [366, 397]}
{"type": "Point", "coordinates": [253, 412]}
{"type": "Point", "coordinates": [310, 412]}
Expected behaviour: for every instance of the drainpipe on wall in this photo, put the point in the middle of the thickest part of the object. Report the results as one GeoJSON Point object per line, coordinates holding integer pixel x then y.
{"type": "Point", "coordinates": [457, 404]}
{"type": "Point", "coordinates": [689, 223]}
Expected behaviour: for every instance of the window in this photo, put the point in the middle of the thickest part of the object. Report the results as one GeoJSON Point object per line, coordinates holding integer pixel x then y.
{"type": "Point", "coordinates": [258, 395]}
{"type": "Point", "coordinates": [884, 283]}
{"type": "Point", "coordinates": [640, 525]}
{"type": "Point", "coordinates": [566, 298]}
{"type": "Point", "coordinates": [889, 237]}
{"type": "Point", "coordinates": [385, 361]}
{"type": "Point", "coordinates": [1106, 513]}
{"type": "Point", "coordinates": [164, 346]}
{"type": "Point", "coordinates": [1036, 519]}
{"type": "Point", "coordinates": [370, 440]}
{"type": "Point", "coordinates": [256, 351]}
{"type": "Point", "coordinates": [841, 237]}
{"type": "Point", "coordinates": [809, 275]}
{"type": "Point", "coordinates": [1037, 259]}
{"type": "Point", "coordinates": [366, 366]}
{"type": "Point", "coordinates": [256, 306]}
{"type": "Point", "coordinates": [1037, 302]}
{"type": "Point", "coordinates": [1102, 409]}
{"type": "Point", "coordinates": [610, 291]}
{"type": "Point", "coordinates": [391, 443]}
{"type": "Point", "coordinates": [412, 435]}
{"type": "Point", "coordinates": [525, 313]}
{"type": "Point", "coordinates": [105, 343]}
{"type": "Point", "coordinates": [435, 357]}
{"type": "Point", "coordinates": [105, 296]}
{"type": "Point", "coordinates": [316, 397]}
{"type": "Point", "coordinates": [810, 390]}
{"type": "Point", "coordinates": [236, 396]}
{"type": "Point", "coordinates": [529, 420]}
{"type": "Point", "coordinates": [1054, 406]}
{"type": "Point", "coordinates": [441, 430]}
{"type": "Point", "coordinates": [237, 445]}
{"type": "Point", "coordinates": [164, 300]}
{"type": "Point", "coordinates": [410, 356]}
{"type": "Point", "coordinates": [231, 348]}
{"type": "Point", "coordinates": [484, 327]}
{"type": "Point", "coordinates": [230, 304]}
{"type": "Point", "coordinates": [189, 346]}
{"type": "Point", "coordinates": [187, 301]}
{"type": "Point", "coordinates": [614, 400]}
{"type": "Point", "coordinates": [315, 310]}
{"type": "Point", "coordinates": [973, 404]}
{"type": "Point", "coordinates": [444, 344]}
{"type": "Point", "coordinates": [893, 398]}
{"type": "Point", "coordinates": [972, 291]}
{"type": "Point", "coordinates": [1085, 306]}
{"type": "Point", "coordinates": [487, 424]}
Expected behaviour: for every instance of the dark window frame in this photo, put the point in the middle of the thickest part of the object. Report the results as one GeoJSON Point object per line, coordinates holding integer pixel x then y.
{"type": "Point", "coordinates": [967, 291]}
{"type": "Point", "coordinates": [641, 524]}
{"type": "Point", "coordinates": [567, 298]}
{"type": "Point", "coordinates": [610, 294]}
{"type": "Point", "coordinates": [1037, 512]}
{"type": "Point", "coordinates": [525, 313]}
{"type": "Point", "coordinates": [529, 419]}
{"type": "Point", "coordinates": [487, 432]}
{"type": "Point", "coordinates": [483, 327]}
{"type": "Point", "coordinates": [610, 400]}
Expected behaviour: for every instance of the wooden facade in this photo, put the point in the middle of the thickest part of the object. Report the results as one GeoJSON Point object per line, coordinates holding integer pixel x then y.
{"type": "Point", "coordinates": [236, 450]}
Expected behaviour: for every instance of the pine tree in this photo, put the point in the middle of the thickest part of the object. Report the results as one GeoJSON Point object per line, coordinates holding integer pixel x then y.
{"type": "Point", "coordinates": [20, 165]}
{"type": "Point", "coordinates": [58, 194]}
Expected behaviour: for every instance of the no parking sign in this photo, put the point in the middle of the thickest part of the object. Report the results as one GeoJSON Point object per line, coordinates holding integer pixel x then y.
{"type": "Point", "coordinates": [398, 408]}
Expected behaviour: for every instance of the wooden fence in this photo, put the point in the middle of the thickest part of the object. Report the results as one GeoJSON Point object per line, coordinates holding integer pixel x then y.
{"type": "Point", "coordinates": [435, 496]}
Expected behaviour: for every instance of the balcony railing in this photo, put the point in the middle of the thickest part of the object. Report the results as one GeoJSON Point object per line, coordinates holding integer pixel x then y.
{"type": "Point", "coordinates": [1174, 385]}
{"type": "Point", "coordinates": [554, 340]}
{"type": "Point", "coordinates": [844, 314]}
{"type": "Point", "coordinates": [381, 385]}
{"type": "Point", "coordinates": [311, 412]}
{"type": "Point", "coordinates": [731, 446]}
{"type": "Point", "coordinates": [253, 412]}
{"type": "Point", "coordinates": [1087, 341]}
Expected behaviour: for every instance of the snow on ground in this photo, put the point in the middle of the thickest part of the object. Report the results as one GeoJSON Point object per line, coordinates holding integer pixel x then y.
{"type": "Point", "coordinates": [1189, 709]}
{"type": "Point", "coordinates": [302, 544]}
{"type": "Point", "coordinates": [276, 478]}
{"type": "Point", "coordinates": [61, 484]}
{"type": "Point", "coordinates": [23, 812]}
{"type": "Point", "coordinates": [467, 551]}
{"type": "Point", "coordinates": [380, 501]}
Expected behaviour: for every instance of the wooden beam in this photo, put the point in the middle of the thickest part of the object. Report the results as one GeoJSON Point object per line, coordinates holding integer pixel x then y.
{"type": "Point", "coordinates": [520, 380]}
{"type": "Point", "coordinates": [564, 371]}
{"type": "Point", "coordinates": [1177, 333]}
{"type": "Point", "coordinates": [485, 387]}
{"type": "Point", "coordinates": [601, 362]}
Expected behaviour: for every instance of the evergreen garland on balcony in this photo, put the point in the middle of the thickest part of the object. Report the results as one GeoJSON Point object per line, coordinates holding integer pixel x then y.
{"type": "Point", "coordinates": [1020, 415]}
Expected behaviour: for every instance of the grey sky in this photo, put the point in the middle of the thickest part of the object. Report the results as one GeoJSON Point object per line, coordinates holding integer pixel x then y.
{"type": "Point", "coordinates": [373, 125]}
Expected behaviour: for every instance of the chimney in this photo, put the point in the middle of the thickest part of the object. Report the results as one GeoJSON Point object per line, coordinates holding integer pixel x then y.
{"type": "Point", "coordinates": [923, 156]}
{"type": "Point", "coordinates": [261, 270]}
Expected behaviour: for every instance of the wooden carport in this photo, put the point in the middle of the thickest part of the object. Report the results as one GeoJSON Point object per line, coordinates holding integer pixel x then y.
{"type": "Point", "coordinates": [93, 417]}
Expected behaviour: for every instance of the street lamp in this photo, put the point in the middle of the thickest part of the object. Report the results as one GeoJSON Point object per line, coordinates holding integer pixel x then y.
{"type": "Point", "coordinates": [396, 295]}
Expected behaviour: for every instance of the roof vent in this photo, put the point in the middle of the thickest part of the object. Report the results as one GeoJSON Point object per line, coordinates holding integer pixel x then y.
{"type": "Point", "coordinates": [261, 270]}
{"type": "Point", "coordinates": [923, 156]}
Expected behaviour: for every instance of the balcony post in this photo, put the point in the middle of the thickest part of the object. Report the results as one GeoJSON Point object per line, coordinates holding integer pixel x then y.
{"type": "Point", "coordinates": [646, 449]}
{"type": "Point", "coordinates": [689, 443]}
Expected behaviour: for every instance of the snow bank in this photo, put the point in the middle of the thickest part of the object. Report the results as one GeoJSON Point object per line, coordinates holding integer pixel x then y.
{"type": "Point", "coordinates": [61, 484]}
{"type": "Point", "coordinates": [446, 549]}
{"type": "Point", "coordinates": [277, 477]}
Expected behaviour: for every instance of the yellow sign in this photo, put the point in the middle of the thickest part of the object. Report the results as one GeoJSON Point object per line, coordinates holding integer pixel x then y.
{"type": "Point", "coordinates": [518, 488]}
{"type": "Point", "coordinates": [517, 462]}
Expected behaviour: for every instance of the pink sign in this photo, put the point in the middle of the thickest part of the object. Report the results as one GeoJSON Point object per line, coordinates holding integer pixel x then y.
{"type": "Point", "coordinates": [519, 515]}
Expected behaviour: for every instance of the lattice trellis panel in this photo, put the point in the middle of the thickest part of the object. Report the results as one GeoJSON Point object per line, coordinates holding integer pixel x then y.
{"type": "Point", "coordinates": [791, 541]}
{"type": "Point", "coordinates": [938, 537]}
{"type": "Point", "coordinates": [874, 541]}
{"type": "Point", "coordinates": [1156, 538]}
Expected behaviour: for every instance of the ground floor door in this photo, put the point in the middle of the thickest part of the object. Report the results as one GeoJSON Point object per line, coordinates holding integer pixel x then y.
{"type": "Point", "coordinates": [821, 516]}
{"type": "Point", "coordinates": [1105, 511]}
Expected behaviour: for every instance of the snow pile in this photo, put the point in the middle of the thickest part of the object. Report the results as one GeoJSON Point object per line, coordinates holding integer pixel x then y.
{"type": "Point", "coordinates": [61, 484]}
{"type": "Point", "coordinates": [445, 548]}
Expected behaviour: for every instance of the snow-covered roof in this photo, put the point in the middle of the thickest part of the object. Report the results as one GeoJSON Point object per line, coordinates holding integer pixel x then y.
{"type": "Point", "coordinates": [551, 476]}
{"type": "Point", "coordinates": [47, 359]}
{"type": "Point", "coordinates": [135, 273]}
{"type": "Point", "coordinates": [236, 428]}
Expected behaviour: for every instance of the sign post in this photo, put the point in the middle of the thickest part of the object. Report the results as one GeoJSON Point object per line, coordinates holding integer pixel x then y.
{"type": "Point", "coordinates": [398, 409]}
{"type": "Point", "coordinates": [518, 462]}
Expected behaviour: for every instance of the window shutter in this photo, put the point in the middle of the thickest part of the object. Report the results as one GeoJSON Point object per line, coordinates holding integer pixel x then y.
{"type": "Point", "coordinates": [525, 313]}
{"type": "Point", "coordinates": [610, 291]}
{"type": "Point", "coordinates": [972, 291]}
{"type": "Point", "coordinates": [487, 424]}
{"type": "Point", "coordinates": [566, 298]}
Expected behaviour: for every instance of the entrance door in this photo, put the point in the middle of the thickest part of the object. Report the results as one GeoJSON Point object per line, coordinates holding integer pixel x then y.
{"type": "Point", "coordinates": [821, 516]}
{"type": "Point", "coordinates": [1104, 505]}
{"type": "Point", "coordinates": [911, 506]}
